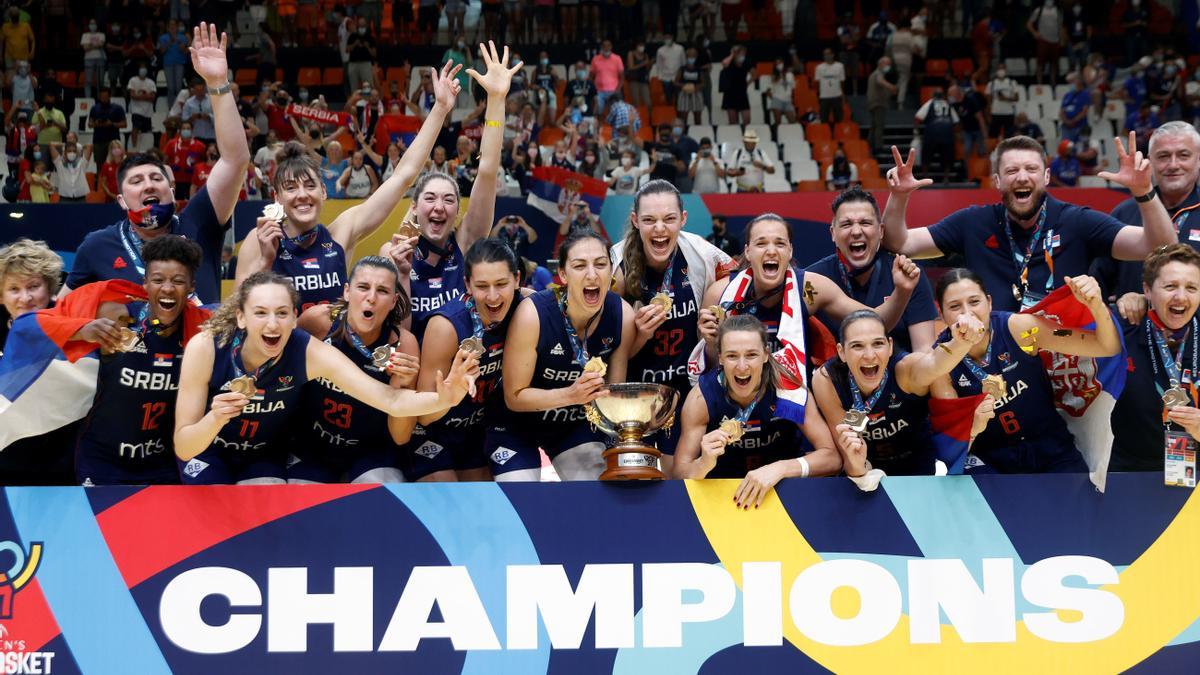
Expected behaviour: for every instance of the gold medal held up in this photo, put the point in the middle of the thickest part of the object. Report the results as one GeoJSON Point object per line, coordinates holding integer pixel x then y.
{"type": "Point", "coordinates": [719, 312]}
{"type": "Point", "coordinates": [129, 339]}
{"type": "Point", "coordinates": [662, 300]}
{"type": "Point", "coordinates": [596, 365]}
{"type": "Point", "coordinates": [472, 344]}
{"type": "Point", "coordinates": [733, 428]}
{"type": "Point", "coordinates": [244, 385]}
{"type": "Point", "coordinates": [994, 386]}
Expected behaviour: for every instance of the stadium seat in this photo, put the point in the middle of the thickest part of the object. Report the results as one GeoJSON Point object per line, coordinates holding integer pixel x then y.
{"type": "Point", "coordinates": [937, 67]}
{"type": "Point", "coordinates": [818, 131]}
{"type": "Point", "coordinates": [1041, 93]}
{"type": "Point", "coordinates": [868, 167]}
{"type": "Point", "coordinates": [764, 132]}
{"type": "Point", "coordinates": [813, 185]}
{"type": "Point", "coordinates": [978, 167]}
{"type": "Point", "coordinates": [245, 77]}
{"type": "Point", "coordinates": [1017, 67]}
{"type": "Point", "coordinates": [962, 68]}
{"type": "Point", "coordinates": [309, 77]}
{"type": "Point", "coordinates": [697, 132]}
{"type": "Point", "coordinates": [1092, 182]}
{"type": "Point", "coordinates": [333, 77]}
{"type": "Point", "coordinates": [805, 169]}
{"type": "Point", "coordinates": [846, 130]}
{"type": "Point", "coordinates": [872, 182]}
{"type": "Point", "coordinates": [776, 183]}
{"type": "Point", "coordinates": [662, 114]}
{"type": "Point", "coordinates": [730, 134]}
{"type": "Point", "coordinates": [856, 149]}
{"type": "Point", "coordinates": [548, 136]}
{"type": "Point", "coordinates": [1061, 90]}
{"type": "Point", "coordinates": [926, 93]}
{"type": "Point", "coordinates": [822, 151]}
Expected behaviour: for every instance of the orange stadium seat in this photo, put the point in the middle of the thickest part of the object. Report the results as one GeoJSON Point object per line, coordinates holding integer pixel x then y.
{"type": "Point", "coordinates": [822, 151]}
{"type": "Point", "coordinates": [810, 69]}
{"type": "Point", "coordinates": [763, 68]}
{"type": "Point", "coordinates": [810, 186]}
{"type": "Point", "coordinates": [868, 166]}
{"type": "Point", "coordinates": [872, 182]}
{"type": "Point", "coordinates": [333, 77]}
{"type": "Point", "coordinates": [937, 67]}
{"type": "Point", "coordinates": [550, 135]}
{"type": "Point", "coordinates": [802, 82]}
{"type": "Point", "coordinates": [846, 130]}
{"type": "Point", "coordinates": [817, 131]}
{"type": "Point", "coordinates": [245, 77]}
{"type": "Point", "coordinates": [662, 114]}
{"type": "Point", "coordinates": [926, 94]}
{"type": "Point", "coordinates": [962, 68]}
{"type": "Point", "coordinates": [309, 77]}
{"type": "Point", "coordinates": [857, 150]}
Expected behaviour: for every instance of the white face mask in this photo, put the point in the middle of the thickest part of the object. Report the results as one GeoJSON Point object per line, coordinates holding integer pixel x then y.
{"type": "Point", "coordinates": [71, 156]}
{"type": "Point", "coordinates": [627, 162]}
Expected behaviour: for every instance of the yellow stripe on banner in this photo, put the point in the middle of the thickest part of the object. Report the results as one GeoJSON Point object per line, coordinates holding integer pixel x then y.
{"type": "Point", "coordinates": [31, 566]}
{"type": "Point", "coordinates": [1159, 592]}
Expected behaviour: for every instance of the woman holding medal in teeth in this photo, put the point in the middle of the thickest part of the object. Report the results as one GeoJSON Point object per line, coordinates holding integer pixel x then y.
{"type": "Point", "coordinates": [438, 273]}
{"type": "Point", "coordinates": [242, 381]}
{"type": "Point", "coordinates": [731, 428]}
{"type": "Point", "coordinates": [289, 238]}
{"type": "Point", "coordinates": [876, 398]}
{"type": "Point", "coordinates": [340, 438]}
{"type": "Point", "coordinates": [561, 345]}
{"type": "Point", "coordinates": [458, 444]}
{"type": "Point", "coordinates": [1027, 435]}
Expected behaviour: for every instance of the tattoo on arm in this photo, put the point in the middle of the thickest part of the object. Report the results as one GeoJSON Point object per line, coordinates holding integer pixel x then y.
{"type": "Point", "coordinates": [1062, 332]}
{"type": "Point", "coordinates": [810, 293]}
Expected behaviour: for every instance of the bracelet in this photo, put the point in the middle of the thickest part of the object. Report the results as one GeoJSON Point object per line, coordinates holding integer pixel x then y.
{"type": "Point", "coordinates": [946, 348]}
{"type": "Point", "coordinates": [803, 467]}
{"type": "Point", "coordinates": [223, 89]}
{"type": "Point", "coordinates": [1147, 197]}
{"type": "Point", "coordinates": [492, 123]}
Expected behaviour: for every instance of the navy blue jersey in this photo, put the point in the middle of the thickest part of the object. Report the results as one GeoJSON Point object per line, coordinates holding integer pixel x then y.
{"type": "Point", "coordinates": [897, 436]}
{"type": "Point", "coordinates": [1119, 277]}
{"type": "Point", "coordinates": [556, 367]}
{"type": "Point", "coordinates": [878, 289]}
{"type": "Point", "coordinates": [432, 286]}
{"type": "Point", "coordinates": [318, 271]}
{"type": "Point", "coordinates": [114, 252]}
{"type": "Point", "coordinates": [664, 358]}
{"type": "Point", "coordinates": [1137, 421]}
{"type": "Point", "coordinates": [127, 435]}
{"type": "Point", "coordinates": [489, 393]}
{"type": "Point", "coordinates": [1073, 236]}
{"type": "Point", "coordinates": [1026, 415]}
{"type": "Point", "coordinates": [264, 427]}
{"type": "Point", "coordinates": [334, 423]}
{"type": "Point", "coordinates": [766, 438]}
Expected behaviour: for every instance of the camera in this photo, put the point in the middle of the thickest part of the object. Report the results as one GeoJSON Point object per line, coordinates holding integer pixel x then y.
{"type": "Point", "coordinates": [511, 219]}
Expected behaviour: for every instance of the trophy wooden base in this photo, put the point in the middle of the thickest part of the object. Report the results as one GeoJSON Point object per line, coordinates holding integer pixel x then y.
{"type": "Point", "coordinates": [632, 462]}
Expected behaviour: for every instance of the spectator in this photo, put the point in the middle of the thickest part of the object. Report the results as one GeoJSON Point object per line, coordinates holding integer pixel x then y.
{"type": "Point", "coordinates": [637, 74]}
{"type": "Point", "coordinates": [358, 181]}
{"type": "Point", "coordinates": [830, 75]}
{"type": "Point", "coordinates": [689, 80]}
{"type": "Point", "coordinates": [514, 231]}
{"type": "Point", "coordinates": [456, 12]}
{"type": "Point", "coordinates": [106, 178]}
{"type": "Point", "coordinates": [1087, 151]}
{"type": "Point", "coordinates": [1192, 99]}
{"type": "Point", "coordinates": [1002, 98]}
{"type": "Point", "coordinates": [706, 171]}
{"type": "Point", "coordinates": [1144, 122]}
{"type": "Point", "coordinates": [334, 164]}
{"type": "Point", "coordinates": [1025, 127]}
{"type": "Point", "coordinates": [1167, 89]}
{"type": "Point", "coordinates": [783, 85]}
{"type": "Point", "coordinates": [877, 36]}
{"type": "Point", "coordinates": [1046, 25]}
{"type": "Point", "coordinates": [981, 43]}
{"type": "Point", "coordinates": [22, 86]}
{"type": "Point", "coordinates": [92, 43]}
{"type": "Point", "coordinates": [202, 169]}
{"type": "Point", "coordinates": [624, 179]}
{"type": "Point", "coordinates": [734, 83]}
{"type": "Point", "coordinates": [421, 100]}
{"type": "Point", "coordinates": [106, 120]}
{"type": "Point", "coordinates": [879, 93]}
{"type": "Point", "coordinates": [360, 47]}
{"type": "Point", "coordinates": [969, 104]}
{"type": "Point", "coordinates": [1135, 90]}
{"type": "Point", "coordinates": [1073, 111]}
{"type": "Point", "coordinates": [702, 14]}
{"type": "Point", "coordinates": [667, 61]}
{"type": "Point", "coordinates": [589, 163]}
{"type": "Point", "coordinates": [920, 32]}
{"type": "Point", "coordinates": [1136, 23]}
{"type": "Point", "coordinates": [198, 111]}
{"type": "Point", "coordinates": [935, 122]}
{"type": "Point", "coordinates": [20, 44]}
{"type": "Point", "coordinates": [848, 35]}
{"type": "Point", "coordinates": [841, 172]}
{"type": "Point", "coordinates": [1079, 35]}
{"type": "Point", "coordinates": [51, 123]}
{"type": "Point", "coordinates": [466, 164]}
{"type": "Point", "coordinates": [608, 74]}
{"type": "Point", "coordinates": [183, 153]}
{"type": "Point", "coordinates": [622, 140]}
{"type": "Point", "coordinates": [622, 114]}
{"type": "Point", "coordinates": [664, 163]}
{"type": "Point", "coordinates": [683, 146]}
{"type": "Point", "coordinates": [115, 44]}
{"type": "Point", "coordinates": [749, 163]}
{"type": "Point", "coordinates": [722, 239]}
{"type": "Point", "coordinates": [1065, 169]}
{"type": "Point", "coordinates": [459, 55]}
{"type": "Point", "coordinates": [438, 162]}
{"type": "Point", "coordinates": [901, 48]}
{"type": "Point", "coordinates": [70, 164]}
{"type": "Point", "coordinates": [40, 184]}
{"type": "Point", "coordinates": [579, 216]}
{"type": "Point", "coordinates": [142, 93]}
{"type": "Point", "coordinates": [138, 51]}
{"type": "Point", "coordinates": [20, 137]}
{"type": "Point", "coordinates": [535, 276]}
{"type": "Point", "coordinates": [731, 16]}
{"type": "Point", "coordinates": [173, 47]}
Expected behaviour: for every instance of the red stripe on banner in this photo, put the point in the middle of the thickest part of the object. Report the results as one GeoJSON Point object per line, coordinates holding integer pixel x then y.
{"type": "Point", "coordinates": [160, 526]}
{"type": "Point", "coordinates": [32, 620]}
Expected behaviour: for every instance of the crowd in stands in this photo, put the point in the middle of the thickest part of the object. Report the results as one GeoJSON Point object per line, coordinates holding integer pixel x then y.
{"type": "Point", "coordinates": [648, 90]}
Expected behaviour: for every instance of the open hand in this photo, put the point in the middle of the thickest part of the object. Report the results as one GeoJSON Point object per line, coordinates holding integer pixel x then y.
{"type": "Point", "coordinates": [446, 86]}
{"type": "Point", "coordinates": [499, 76]}
{"type": "Point", "coordinates": [208, 54]}
{"type": "Point", "coordinates": [1134, 170]}
{"type": "Point", "coordinates": [900, 177]}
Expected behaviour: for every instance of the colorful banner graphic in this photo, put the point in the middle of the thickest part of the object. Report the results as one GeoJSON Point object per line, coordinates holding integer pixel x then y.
{"type": "Point", "coordinates": [956, 574]}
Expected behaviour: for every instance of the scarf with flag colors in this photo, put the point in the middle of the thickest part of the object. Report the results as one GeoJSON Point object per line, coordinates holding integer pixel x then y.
{"type": "Point", "coordinates": [553, 189]}
{"type": "Point", "coordinates": [48, 380]}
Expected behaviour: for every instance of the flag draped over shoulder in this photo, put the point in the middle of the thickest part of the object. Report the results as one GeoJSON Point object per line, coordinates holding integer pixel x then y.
{"type": "Point", "coordinates": [950, 420]}
{"type": "Point", "coordinates": [1085, 389]}
{"type": "Point", "coordinates": [48, 380]}
{"type": "Point", "coordinates": [552, 189]}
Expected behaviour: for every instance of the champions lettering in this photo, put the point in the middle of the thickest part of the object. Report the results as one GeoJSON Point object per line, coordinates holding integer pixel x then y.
{"type": "Point", "coordinates": [673, 594]}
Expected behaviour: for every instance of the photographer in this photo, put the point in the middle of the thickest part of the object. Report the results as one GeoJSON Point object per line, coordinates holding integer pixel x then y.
{"type": "Point", "coordinates": [518, 234]}
{"type": "Point", "coordinates": [706, 170]}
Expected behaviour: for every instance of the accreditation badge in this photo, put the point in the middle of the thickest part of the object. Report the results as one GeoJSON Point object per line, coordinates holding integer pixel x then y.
{"type": "Point", "coordinates": [1179, 459]}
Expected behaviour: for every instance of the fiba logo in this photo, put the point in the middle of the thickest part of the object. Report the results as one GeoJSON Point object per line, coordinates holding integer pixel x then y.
{"type": "Point", "coordinates": [19, 572]}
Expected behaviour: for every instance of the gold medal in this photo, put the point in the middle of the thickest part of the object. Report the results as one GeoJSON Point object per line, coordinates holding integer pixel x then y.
{"type": "Point", "coordinates": [381, 355]}
{"type": "Point", "coordinates": [1174, 398]}
{"type": "Point", "coordinates": [720, 312]}
{"type": "Point", "coordinates": [596, 365]}
{"type": "Point", "coordinates": [856, 420]}
{"type": "Point", "coordinates": [128, 340]}
{"type": "Point", "coordinates": [733, 428]}
{"type": "Point", "coordinates": [243, 385]}
{"type": "Point", "coordinates": [995, 386]}
{"type": "Point", "coordinates": [472, 344]}
{"type": "Point", "coordinates": [408, 230]}
{"type": "Point", "coordinates": [662, 300]}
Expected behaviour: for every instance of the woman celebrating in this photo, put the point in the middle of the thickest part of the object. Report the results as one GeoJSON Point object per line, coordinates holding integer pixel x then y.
{"type": "Point", "coordinates": [730, 426]}
{"type": "Point", "coordinates": [876, 400]}
{"type": "Point", "coordinates": [251, 363]}
{"type": "Point", "coordinates": [438, 268]}
{"type": "Point", "coordinates": [340, 437]}
{"type": "Point", "coordinates": [291, 239]}
{"type": "Point", "coordinates": [662, 270]}
{"type": "Point", "coordinates": [560, 345]}
{"type": "Point", "coordinates": [457, 443]}
{"type": "Point", "coordinates": [1027, 435]}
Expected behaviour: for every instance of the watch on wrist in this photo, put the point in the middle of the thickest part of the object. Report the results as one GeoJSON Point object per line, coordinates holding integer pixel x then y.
{"type": "Point", "coordinates": [223, 89]}
{"type": "Point", "coordinates": [1148, 196]}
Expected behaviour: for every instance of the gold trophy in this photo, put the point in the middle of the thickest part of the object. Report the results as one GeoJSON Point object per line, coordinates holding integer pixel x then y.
{"type": "Point", "coordinates": [630, 412]}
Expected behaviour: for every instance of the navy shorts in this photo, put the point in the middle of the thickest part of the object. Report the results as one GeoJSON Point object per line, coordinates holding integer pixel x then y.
{"type": "Point", "coordinates": [510, 449]}
{"type": "Point", "coordinates": [217, 466]}
{"type": "Point", "coordinates": [331, 465]}
{"type": "Point", "coordinates": [1054, 455]}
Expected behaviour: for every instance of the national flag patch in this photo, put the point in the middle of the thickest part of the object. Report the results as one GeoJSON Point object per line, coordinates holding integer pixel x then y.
{"type": "Point", "coordinates": [163, 360]}
{"type": "Point", "coordinates": [311, 264]}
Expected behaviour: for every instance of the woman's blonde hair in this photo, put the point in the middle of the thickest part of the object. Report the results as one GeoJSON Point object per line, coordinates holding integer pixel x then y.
{"type": "Point", "coordinates": [31, 258]}
{"type": "Point", "coordinates": [222, 325]}
{"type": "Point", "coordinates": [750, 324]}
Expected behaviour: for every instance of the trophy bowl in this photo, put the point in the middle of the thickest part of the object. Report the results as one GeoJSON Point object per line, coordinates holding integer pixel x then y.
{"type": "Point", "coordinates": [630, 412]}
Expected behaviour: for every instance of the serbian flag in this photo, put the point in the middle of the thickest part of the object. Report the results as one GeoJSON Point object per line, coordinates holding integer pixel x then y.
{"type": "Point", "coordinates": [393, 128]}
{"type": "Point", "coordinates": [48, 380]}
{"type": "Point", "coordinates": [950, 421]}
{"type": "Point", "coordinates": [553, 189]}
{"type": "Point", "coordinates": [1085, 389]}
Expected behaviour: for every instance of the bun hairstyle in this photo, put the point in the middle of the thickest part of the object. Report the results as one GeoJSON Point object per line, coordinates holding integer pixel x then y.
{"type": "Point", "coordinates": [294, 161]}
{"type": "Point", "coordinates": [223, 323]}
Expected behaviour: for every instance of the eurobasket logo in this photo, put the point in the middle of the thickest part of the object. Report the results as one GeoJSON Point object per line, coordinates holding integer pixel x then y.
{"type": "Point", "coordinates": [19, 573]}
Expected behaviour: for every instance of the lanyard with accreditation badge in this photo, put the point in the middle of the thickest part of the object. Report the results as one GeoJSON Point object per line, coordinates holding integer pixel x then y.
{"type": "Point", "coordinates": [1179, 449]}
{"type": "Point", "coordinates": [1021, 261]}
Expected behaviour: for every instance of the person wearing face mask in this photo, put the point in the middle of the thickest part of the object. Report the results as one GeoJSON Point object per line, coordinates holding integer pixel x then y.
{"type": "Point", "coordinates": [20, 137]}
{"type": "Point", "coordinates": [22, 85]}
{"type": "Point", "coordinates": [637, 73]}
{"type": "Point", "coordinates": [880, 91]}
{"type": "Point", "coordinates": [689, 80]}
{"type": "Point", "coordinates": [50, 121]}
{"type": "Point", "coordinates": [138, 50]}
{"type": "Point", "coordinates": [734, 84]}
{"type": "Point", "coordinates": [706, 170]}
{"type": "Point", "coordinates": [830, 76]}
{"type": "Point", "coordinates": [1065, 169]}
{"type": "Point", "coordinates": [581, 85]}
{"type": "Point", "coordinates": [624, 179]}
{"type": "Point", "coordinates": [902, 48]}
{"type": "Point", "coordinates": [115, 44]}
{"type": "Point", "coordinates": [669, 58]}
{"type": "Point", "coordinates": [1167, 90]}
{"type": "Point", "coordinates": [183, 154]}
{"type": "Point", "coordinates": [608, 72]}
{"type": "Point", "coordinates": [92, 43]}
{"type": "Point", "coordinates": [70, 161]}
{"type": "Point", "coordinates": [457, 53]}
{"type": "Point", "coordinates": [841, 172]}
{"type": "Point", "coordinates": [173, 50]}
{"type": "Point", "coordinates": [1002, 99]}
{"type": "Point", "coordinates": [361, 47]}
{"type": "Point", "coordinates": [204, 167]}
{"type": "Point", "coordinates": [142, 94]}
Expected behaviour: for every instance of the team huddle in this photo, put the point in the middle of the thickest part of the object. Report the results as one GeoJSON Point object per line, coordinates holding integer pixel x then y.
{"type": "Point", "coordinates": [432, 361]}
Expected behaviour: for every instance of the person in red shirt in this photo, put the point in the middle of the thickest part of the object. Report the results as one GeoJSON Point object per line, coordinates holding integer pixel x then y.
{"type": "Point", "coordinates": [202, 168]}
{"type": "Point", "coordinates": [183, 153]}
{"type": "Point", "coordinates": [108, 171]}
{"type": "Point", "coordinates": [274, 100]}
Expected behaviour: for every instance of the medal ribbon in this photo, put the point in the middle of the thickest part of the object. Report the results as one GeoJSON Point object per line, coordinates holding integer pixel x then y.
{"type": "Point", "coordinates": [743, 414]}
{"type": "Point", "coordinates": [133, 247]}
{"type": "Point", "coordinates": [235, 354]}
{"type": "Point", "coordinates": [976, 368]}
{"type": "Point", "coordinates": [869, 404]}
{"type": "Point", "coordinates": [477, 323]}
{"type": "Point", "coordinates": [578, 347]}
{"type": "Point", "coordinates": [665, 286]}
{"type": "Point", "coordinates": [1021, 262]}
{"type": "Point", "coordinates": [1171, 365]}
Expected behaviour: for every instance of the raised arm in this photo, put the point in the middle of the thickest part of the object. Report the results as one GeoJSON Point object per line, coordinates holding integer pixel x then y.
{"type": "Point", "coordinates": [822, 295]}
{"type": "Point", "coordinates": [482, 208]}
{"type": "Point", "coordinates": [896, 235]}
{"type": "Point", "coordinates": [919, 370]}
{"type": "Point", "coordinates": [1037, 332]}
{"type": "Point", "coordinates": [1135, 243]}
{"type": "Point", "coordinates": [358, 222]}
{"type": "Point", "coordinates": [225, 180]}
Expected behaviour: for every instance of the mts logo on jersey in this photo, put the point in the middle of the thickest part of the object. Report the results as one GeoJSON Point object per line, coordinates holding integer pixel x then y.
{"type": "Point", "coordinates": [18, 574]}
